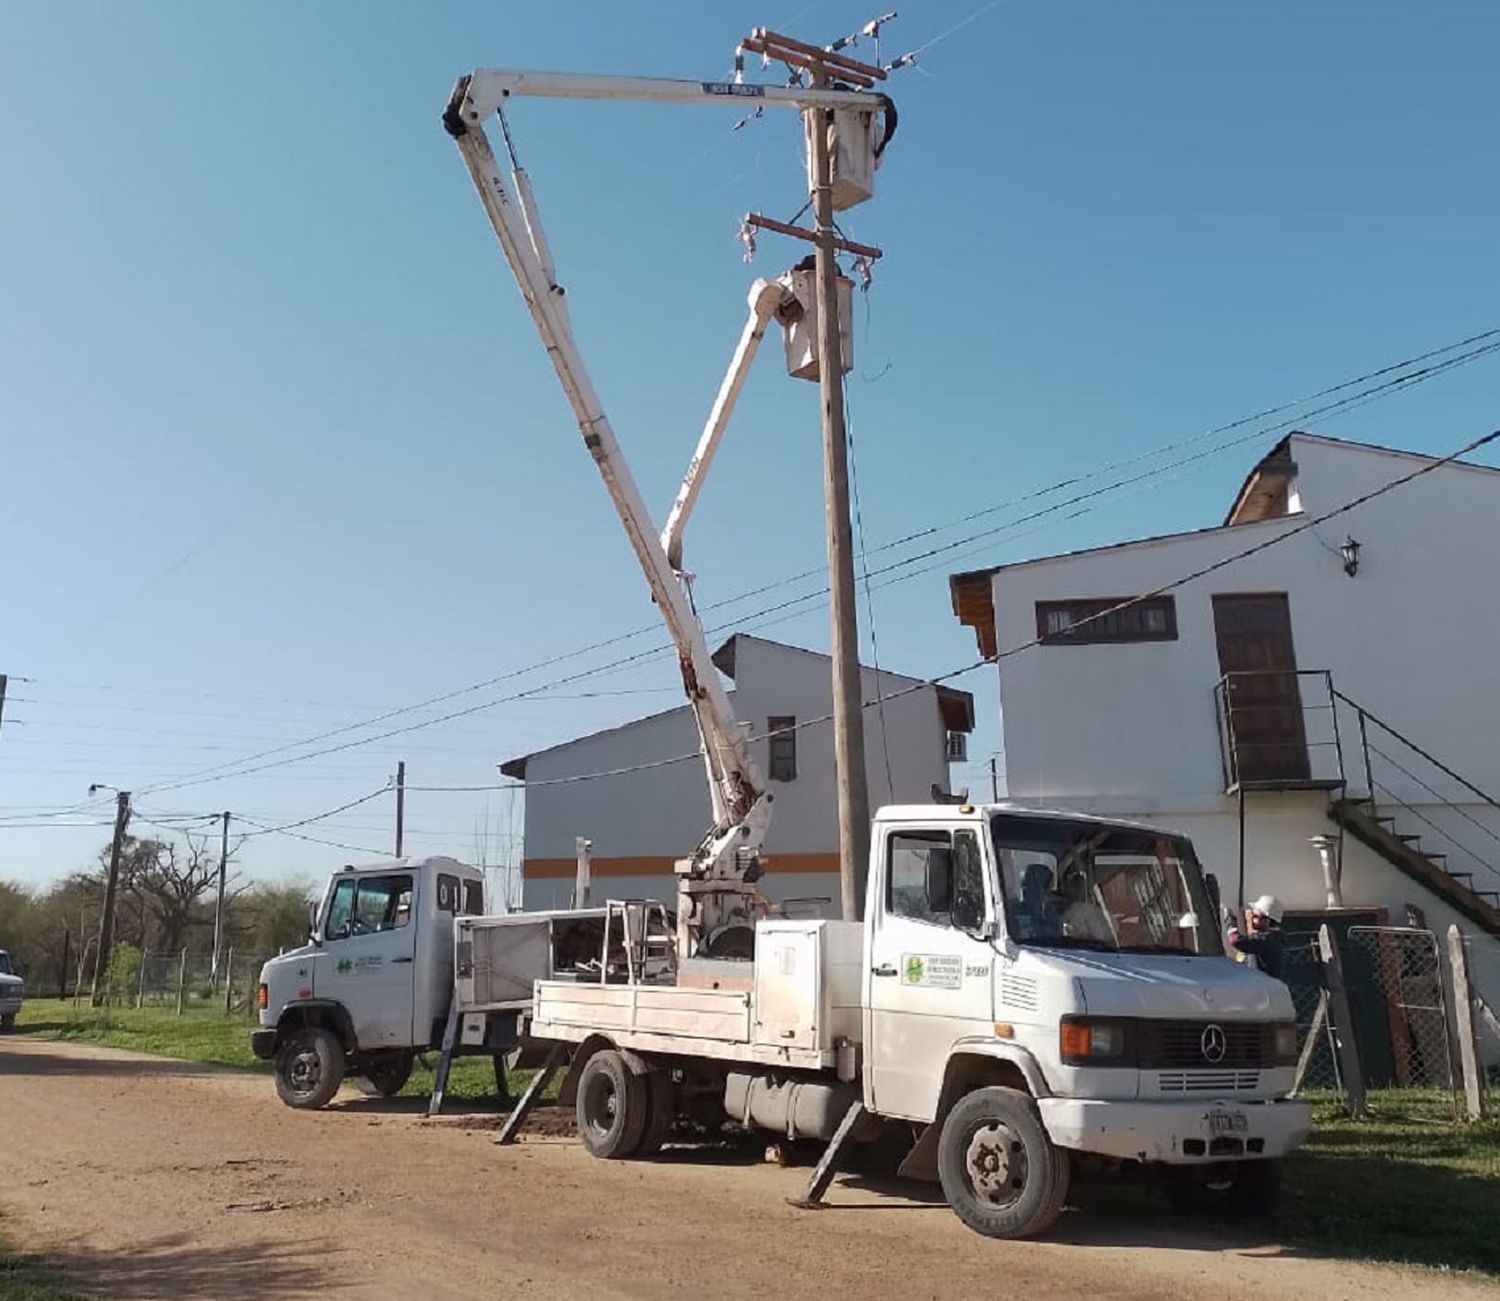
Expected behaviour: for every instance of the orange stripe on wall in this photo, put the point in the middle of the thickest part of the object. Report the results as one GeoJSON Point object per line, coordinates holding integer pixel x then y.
{"type": "Point", "coordinates": [558, 869]}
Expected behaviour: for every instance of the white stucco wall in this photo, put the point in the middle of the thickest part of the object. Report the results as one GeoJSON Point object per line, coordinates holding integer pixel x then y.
{"type": "Point", "coordinates": [661, 813]}
{"type": "Point", "coordinates": [1413, 637]}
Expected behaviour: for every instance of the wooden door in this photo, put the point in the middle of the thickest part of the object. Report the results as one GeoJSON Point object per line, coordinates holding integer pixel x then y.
{"type": "Point", "coordinates": [1264, 707]}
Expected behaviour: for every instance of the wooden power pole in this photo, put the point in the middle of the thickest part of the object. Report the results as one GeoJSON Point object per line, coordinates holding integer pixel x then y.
{"type": "Point", "coordinates": [848, 702]}
{"type": "Point", "coordinates": [107, 918]}
{"type": "Point", "coordinates": [400, 806]}
{"type": "Point", "coordinates": [219, 901]}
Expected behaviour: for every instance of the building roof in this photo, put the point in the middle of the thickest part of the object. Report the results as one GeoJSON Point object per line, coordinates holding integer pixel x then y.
{"type": "Point", "coordinates": [957, 707]}
{"type": "Point", "coordinates": [1264, 496]}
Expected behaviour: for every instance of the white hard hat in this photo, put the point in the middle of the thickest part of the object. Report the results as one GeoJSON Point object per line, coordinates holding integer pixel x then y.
{"type": "Point", "coordinates": [1268, 905]}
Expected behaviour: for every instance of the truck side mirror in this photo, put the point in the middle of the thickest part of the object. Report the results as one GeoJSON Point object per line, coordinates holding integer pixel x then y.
{"type": "Point", "coordinates": [312, 922]}
{"type": "Point", "coordinates": [968, 911]}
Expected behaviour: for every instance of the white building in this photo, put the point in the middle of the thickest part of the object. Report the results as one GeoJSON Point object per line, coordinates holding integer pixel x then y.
{"type": "Point", "coordinates": [1255, 706]}
{"type": "Point", "coordinates": [642, 820]}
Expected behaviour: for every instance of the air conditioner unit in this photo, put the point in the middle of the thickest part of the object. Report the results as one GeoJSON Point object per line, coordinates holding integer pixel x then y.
{"type": "Point", "coordinates": [958, 747]}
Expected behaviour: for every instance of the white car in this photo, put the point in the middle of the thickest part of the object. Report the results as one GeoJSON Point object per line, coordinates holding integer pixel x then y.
{"type": "Point", "coordinates": [12, 991]}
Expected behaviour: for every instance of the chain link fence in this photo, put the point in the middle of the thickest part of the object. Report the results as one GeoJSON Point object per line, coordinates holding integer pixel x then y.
{"type": "Point", "coordinates": [186, 981]}
{"type": "Point", "coordinates": [1395, 1024]}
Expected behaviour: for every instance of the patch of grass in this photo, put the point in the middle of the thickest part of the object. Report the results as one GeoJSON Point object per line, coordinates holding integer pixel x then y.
{"type": "Point", "coordinates": [1405, 1183]}
{"type": "Point", "coordinates": [205, 1034]}
{"type": "Point", "coordinates": [198, 1035]}
{"type": "Point", "coordinates": [25, 1277]}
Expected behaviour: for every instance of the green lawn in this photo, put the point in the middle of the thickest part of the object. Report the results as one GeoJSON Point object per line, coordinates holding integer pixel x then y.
{"type": "Point", "coordinates": [27, 1278]}
{"type": "Point", "coordinates": [207, 1035]}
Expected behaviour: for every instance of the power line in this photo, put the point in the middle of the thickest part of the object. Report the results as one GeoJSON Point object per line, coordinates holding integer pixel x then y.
{"type": "Point", "coordinates": [222, 771]}
{"type": "Point", "coordinates": [1202, 572]}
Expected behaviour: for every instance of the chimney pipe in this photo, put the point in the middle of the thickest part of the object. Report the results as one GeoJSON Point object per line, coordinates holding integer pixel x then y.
{"type": "Point", "coordinates": [1328, 847]}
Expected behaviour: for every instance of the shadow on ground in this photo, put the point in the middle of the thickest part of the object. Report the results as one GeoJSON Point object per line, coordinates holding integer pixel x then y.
{"type": "Point", "coordinates": [179, 1266]}
{"type": "Point", "coordinates": [41, 1061]}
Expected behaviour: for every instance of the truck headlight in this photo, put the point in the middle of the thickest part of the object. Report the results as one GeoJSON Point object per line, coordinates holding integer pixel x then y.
{"type": "Point", "coordinates": [1285, 1042]}
{"type": "Point", "coordinates": [1084, 1042]}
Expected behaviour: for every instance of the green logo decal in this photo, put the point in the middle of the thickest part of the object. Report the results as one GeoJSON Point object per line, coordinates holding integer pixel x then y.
{"type": "Point", "coordinates": [344, 966]}
{"type": "Point", "coordinates": [914, 971]}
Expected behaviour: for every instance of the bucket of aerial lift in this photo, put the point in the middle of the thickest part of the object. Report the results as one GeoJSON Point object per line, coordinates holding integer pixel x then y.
{"type": "Point", "coordinates": [852, 140]}
{"type": "Point", "coordinates": [799, 323]}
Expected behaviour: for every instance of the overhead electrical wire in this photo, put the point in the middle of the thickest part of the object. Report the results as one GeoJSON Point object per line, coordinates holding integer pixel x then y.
{"type": "Point", "coordinates": [244, 766]}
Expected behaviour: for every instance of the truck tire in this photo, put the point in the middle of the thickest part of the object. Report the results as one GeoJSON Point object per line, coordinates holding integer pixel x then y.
{"type": "Point", "coordinates": [1242, 1190]}
{"type": "Point", "coordinates": [1000, 1172]}
{"type": "Point", "coordinates": [387, 1077]}
{"type": "Point", "coordinates": [661, 1110]}
{"type": "Point", "coordinates": [8, 1021]}
{"type": "Point", "coordinates": [309, 1068]}
{"type": "Point", "coordinates": [611, 1108]}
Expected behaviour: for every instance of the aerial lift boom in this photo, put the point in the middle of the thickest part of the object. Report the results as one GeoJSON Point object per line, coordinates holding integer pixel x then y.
{"type": "Point", "coordinates": [718, 900]}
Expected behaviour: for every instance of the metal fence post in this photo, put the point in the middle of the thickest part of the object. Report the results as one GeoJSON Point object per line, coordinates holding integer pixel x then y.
{"type": "Point", "coordinates": [140, 985]}
{"type": "Point", "coordinates": [229, 982]}
{"type": "Point", "coordinates": [1463, 1020]}
{"type": "Point", "coordinates": [1341, 1019]}
{"type": "Point", "coordinates": [181, 981]}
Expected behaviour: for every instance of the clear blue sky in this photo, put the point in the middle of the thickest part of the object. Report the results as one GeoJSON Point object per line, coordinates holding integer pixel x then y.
{"type": "Point", "coordinates": [282, 450]}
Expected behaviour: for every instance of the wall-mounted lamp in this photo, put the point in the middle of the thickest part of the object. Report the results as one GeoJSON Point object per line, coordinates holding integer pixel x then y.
{"type": "Point", "coordinates": [1350, 552]}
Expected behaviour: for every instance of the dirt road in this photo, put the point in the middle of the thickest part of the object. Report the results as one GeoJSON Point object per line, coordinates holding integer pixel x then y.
{"type": "Point", "coordinates": [164, 1179]}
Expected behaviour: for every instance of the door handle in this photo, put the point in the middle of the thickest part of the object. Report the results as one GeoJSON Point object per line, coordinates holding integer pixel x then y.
{"type": "Point", "coordinates": [885, 970]}
{"type": "Point", "coordinates": [394, 961]}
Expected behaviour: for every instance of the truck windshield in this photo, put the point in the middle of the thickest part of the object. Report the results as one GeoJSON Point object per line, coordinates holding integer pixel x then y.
{"type": "Point", "coordinates": [5, 967]}
{"type": "Point", "coordinates": [1089, 885]}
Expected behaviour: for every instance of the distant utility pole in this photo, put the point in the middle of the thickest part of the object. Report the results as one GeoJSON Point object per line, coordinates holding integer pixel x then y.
{"type": "Point", "coordinates": [994, 780]}
{"type": "Point", "coordinates": [848, 701]}
{"type": "Point", "coordinates": [400, 805]}
{"type": "Point", "coordinates": [219, 902]}
{"type": "Point", "coordinates": [107, 919]}
{"type": "Point", "coordinates": [4, 682]}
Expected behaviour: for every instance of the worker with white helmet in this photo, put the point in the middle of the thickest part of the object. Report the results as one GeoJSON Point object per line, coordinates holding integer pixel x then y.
{"type": "Point", "coordinates": [1265, 945]}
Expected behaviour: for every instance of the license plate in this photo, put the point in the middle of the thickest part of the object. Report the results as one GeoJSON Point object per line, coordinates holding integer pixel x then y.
{"type": "Point", "coordinates": [1227, 1122]}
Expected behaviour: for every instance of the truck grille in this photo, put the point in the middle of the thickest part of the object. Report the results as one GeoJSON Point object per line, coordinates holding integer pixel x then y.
{"type": "Point", "coordinates": [1208, 1081]}
{"type": "Point", "coordinates": [1215, 1046]}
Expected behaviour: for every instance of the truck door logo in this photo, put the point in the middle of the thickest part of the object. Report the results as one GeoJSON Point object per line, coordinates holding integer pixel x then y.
{"type": "Point", "coordinates": [1213, 1043]}
{"type": "Point", "coordinates": [914, 969]}
{"type": "Point", "coordinates": [344, 966]}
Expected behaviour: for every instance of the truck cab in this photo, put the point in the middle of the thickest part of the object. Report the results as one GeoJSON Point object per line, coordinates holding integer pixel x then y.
{"type": "Point", "coordinates": [372, 985]}
{"type": "Point", "coordinates": [1062, 980]}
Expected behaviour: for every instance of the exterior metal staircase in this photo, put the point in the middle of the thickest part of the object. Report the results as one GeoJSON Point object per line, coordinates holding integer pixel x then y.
{"type": "Point", "coordinates": [1288, 731]}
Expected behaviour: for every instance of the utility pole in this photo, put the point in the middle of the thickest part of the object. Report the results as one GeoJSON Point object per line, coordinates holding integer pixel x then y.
{"type": "Point", "coordinates": [400, 805]}
{"type": "Point", "coordinates": [107, 919]}
{"type": "Point", "coordinates": [4, 682]}
{"type": "Point", "coordinates": [848, 702]}
{"type": "Point", "coordinates": [994, 780]}
{"type": "Point", "coordinates": [219, 902]}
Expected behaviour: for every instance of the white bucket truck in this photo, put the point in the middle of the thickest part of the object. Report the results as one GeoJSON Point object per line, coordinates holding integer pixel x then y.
{"type": "Point", "coordinates": [1027, 989]}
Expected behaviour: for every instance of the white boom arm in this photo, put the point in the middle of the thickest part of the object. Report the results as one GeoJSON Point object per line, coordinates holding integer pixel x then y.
{"type": "Point", "coordinates": [716, 890]}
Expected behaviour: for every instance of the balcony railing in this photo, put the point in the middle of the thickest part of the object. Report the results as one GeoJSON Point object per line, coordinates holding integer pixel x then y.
{"type": "Point", "coordinates": [1279, 730]}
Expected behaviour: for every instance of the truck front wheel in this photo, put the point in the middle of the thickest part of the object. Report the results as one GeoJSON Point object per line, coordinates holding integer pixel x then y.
{"type": "Point", "coordinates": [309, 1068]}
{"type": "Point", "coordinates": [1000, 1172]}
{"type": "Point", "coordinates": [612, 1105]}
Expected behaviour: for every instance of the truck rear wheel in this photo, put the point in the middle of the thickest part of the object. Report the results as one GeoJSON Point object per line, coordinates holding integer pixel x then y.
{"type": "Point", "coordinates": [309, 1068]}
{"type": "Point", "coordinates": [388, 1077]}
{"type": "Point", "coordinates": [612, 1106]}
{"type": "Point", "coordinates": [8, 1021]}
{"type": "Point", "coordinates": [1000, 1172]}
{"type": "Point", "coordinates": [661, 1109]}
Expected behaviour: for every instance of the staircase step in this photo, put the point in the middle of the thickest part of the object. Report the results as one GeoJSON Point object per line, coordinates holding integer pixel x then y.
{"type": "Point", "coordinates": [1407, 839]}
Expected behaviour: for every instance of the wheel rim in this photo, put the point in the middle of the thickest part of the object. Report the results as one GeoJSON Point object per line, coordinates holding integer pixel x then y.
{"type": "Point", "coordinates": [601, 1106]}
{"type": "Point", "coordinates": [305, 1071]}
{"type": "Point", "coordinates": [996, 1164]}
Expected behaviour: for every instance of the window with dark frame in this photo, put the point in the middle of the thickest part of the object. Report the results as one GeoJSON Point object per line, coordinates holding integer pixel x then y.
{"type": "Point", "coordinates": [1096, 619]}
{"type": "Point", "coordinates": [782, 732]}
